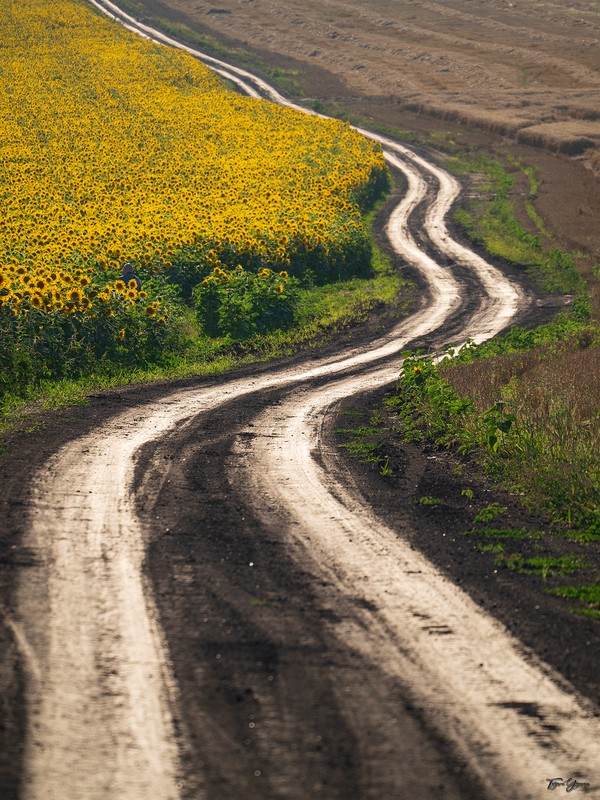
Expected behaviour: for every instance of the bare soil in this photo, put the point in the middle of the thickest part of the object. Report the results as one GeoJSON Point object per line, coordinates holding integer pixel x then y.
{"type": "Point", "coordinates": [246, 624]}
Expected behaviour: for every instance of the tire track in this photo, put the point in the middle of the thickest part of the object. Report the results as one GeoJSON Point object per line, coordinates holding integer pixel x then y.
{"type": "Point", "coordinates": [506, 714]}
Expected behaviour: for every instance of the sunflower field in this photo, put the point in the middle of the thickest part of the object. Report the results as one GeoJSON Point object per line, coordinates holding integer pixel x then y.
{"type": "Point", "coordinates": [116, 149]}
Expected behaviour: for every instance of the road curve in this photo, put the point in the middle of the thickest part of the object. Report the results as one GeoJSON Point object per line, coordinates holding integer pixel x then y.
{"type": "Point", "coordinates": [101, 696]}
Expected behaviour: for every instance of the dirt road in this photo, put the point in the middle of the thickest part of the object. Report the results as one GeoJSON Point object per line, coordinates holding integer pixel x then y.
{"type": "Point", "coordinates": [211, 610]}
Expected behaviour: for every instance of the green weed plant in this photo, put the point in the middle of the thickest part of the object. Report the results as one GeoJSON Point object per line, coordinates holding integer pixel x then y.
{"type": "Point", "coordinates": [545, 566]}
{"type": "Point", "coordinates": [548, 452]}
{"type": "Point", "coordinates": [504, 533]}
{"type": "Point", "coordinates": [586, 598]}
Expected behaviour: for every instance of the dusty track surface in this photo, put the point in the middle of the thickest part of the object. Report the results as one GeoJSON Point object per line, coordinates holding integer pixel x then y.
{"type": "Point", "coordinates": [308, 650]}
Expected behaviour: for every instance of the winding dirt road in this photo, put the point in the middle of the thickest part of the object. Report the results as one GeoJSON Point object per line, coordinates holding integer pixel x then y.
{"type": "Point", "coordinates": [384, 680]}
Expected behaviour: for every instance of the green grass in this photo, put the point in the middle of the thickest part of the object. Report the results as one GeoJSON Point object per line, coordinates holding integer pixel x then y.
{"type": "Point", "coordinates": [490, 547]}
{"type": "Point", "coordinates": [365, 442]}
{"type": "Point", "coordinates": [572, 325]}
{"type": "Point", "coordinates": [360, 449]}
{"type": "Point", "coordinates": [489, 513]}
{"type": "Point", "coordinates": [490, 220]}
{"type": "Point", "coordinates": [503, 533]}
{"type": "Point", "coordinates": [530, 208]}
{"type": "Point", "coordinates": [362, 445]}
{"type": "Point", "coordinates": [496, 540]}
{"type": "Point", "coordinates": [586, 597]}
{"type": "Point", "coordinates": [261, 603]}
{"type": "Point", "coordinates": [545, 566]}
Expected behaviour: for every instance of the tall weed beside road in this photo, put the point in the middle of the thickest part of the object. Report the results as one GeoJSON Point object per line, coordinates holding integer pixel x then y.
{"type": "Point", "coordinates": [530, 418]}
{"type": "Point", "coordinates": [114, 149]}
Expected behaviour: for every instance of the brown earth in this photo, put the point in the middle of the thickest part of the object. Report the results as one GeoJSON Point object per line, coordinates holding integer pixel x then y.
{"type": "Point", "coordinates": [525, 69]}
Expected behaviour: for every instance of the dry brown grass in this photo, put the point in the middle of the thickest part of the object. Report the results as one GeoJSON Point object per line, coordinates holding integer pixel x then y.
{"type": "Point", "coordinates": [535, 383]}
{"type": "Point", "coordinates": [551, 452]}
{"type": "Point", "coordinates": [532, 423]}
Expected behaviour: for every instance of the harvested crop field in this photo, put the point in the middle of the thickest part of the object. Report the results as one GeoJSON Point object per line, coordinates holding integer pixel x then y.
{"type": "Point", "coordinates": [518, 74]}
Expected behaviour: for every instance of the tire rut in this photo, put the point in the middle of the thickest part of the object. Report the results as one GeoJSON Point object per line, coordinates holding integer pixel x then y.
{"type": "Point", "coordinates": [276, 703]}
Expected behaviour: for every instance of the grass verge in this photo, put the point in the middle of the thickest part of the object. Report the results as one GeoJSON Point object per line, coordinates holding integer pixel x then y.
{"type": "Point", "coordinates": [522, 408]}
{"type": "Point", "coordinates": [324, 311]}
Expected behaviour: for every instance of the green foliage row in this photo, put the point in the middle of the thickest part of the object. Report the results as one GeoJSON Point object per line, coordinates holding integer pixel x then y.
{"type": "Point", "coordinates": [38, 345]}
{"type": "Point", "coordinates": [322, 311]}
{"type": "Point", "coordinates": [428, 406]}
